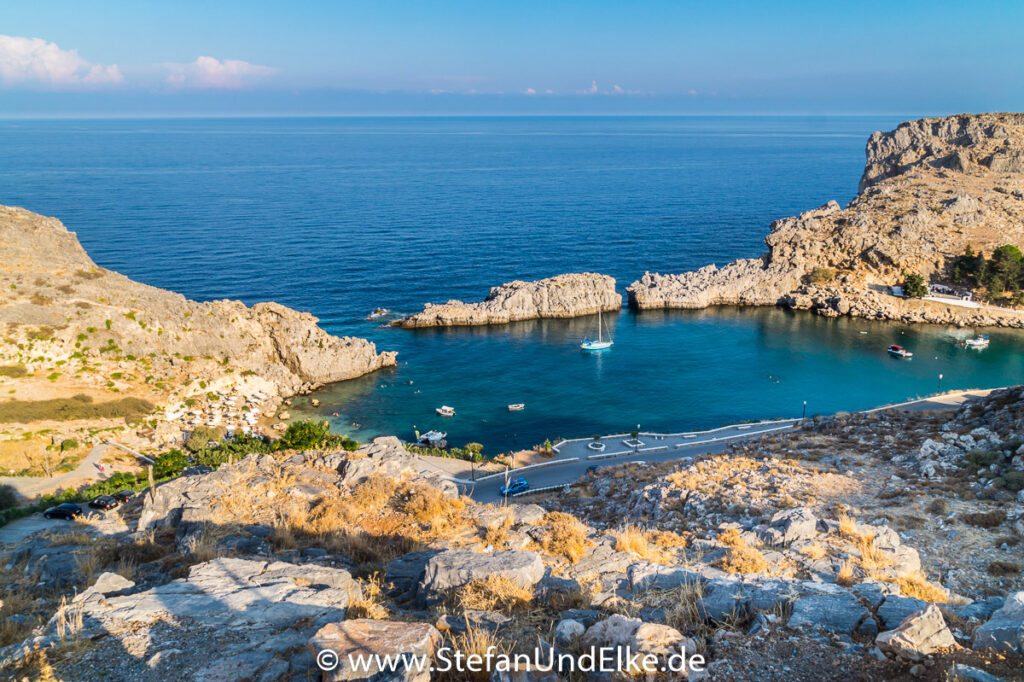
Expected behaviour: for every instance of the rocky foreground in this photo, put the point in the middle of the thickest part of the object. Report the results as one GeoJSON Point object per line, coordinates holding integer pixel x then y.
{"type": "Point", "coordinates": [563, 296]}
{"type": "Point", "coordinates": [930, 188]}
{"type": "Point", "coordinates": [60, 307]}
{"type": "Point", "coordinates": [873, 547]}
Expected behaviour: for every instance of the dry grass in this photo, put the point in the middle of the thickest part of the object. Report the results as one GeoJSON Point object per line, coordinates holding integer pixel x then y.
{"type": "Point", "coordinates": [565, 536]}
{"type": "Point", "coordinates": [474, 642]}
{"type": "Point", "coordinates": [814, 551]}
{"type": "Point", "coordinates": [74, 537]}
{"type": "Point", "coordinates": [989, 519]}
{"type": "Point", "coordinates": [69, 619]}
{"type": "Point", "coordinates": [1003, 568]}
{"type": "Point", "coordinates": [494, 593]}
{"type": "Point", "coordinates": [845, 576]}
{"type": "Point", "coordinates": [743, 560]}
{"type": "Point", "coordinates": [496, 535]}
{"type": "Point", "coordinates": [919, 587]}
{"type": "Point", "coordinates": [368, 602]}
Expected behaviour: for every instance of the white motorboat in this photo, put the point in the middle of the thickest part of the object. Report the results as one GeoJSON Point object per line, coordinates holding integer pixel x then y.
{"type": "Point", "coordinates": [978, 342]}
{"type": "Point", "coordinates": [900, 351]}
{"type": "Point", "coordinates": [600, 344]}
{"type": "Point", "coordinates": [446, 411]}
{"type": "Point", "coordinates": [516, 407]}
{"type": "Point", "coordinates": [434, 438]}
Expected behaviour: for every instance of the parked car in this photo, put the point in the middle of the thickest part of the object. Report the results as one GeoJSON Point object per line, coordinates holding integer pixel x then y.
{"type": "Point", "coordinates": [68, 511]}
{"type": "Point", "coordinates": [516, 485]}
{"type": "Point", "coordinates": [592, 468]}
{"type": "Point", "coordinates": [123, 496]}
{"type": "Point", "coordinates": [104, 502]}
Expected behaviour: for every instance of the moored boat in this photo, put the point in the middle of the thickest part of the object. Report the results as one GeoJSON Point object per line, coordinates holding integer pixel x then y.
{"type": "Point", "coordinates": [978, 342]}
{"type": "Point", "coordinates": [600, 344]}
{"type": "Point", "coordinates": [516, 407]}
{"type": "Point", "coordinates": [446, 411]}
{"type": "Point", "coordinates": [900, 351]}
{"type": "Point", "coordinates": [434, 438]}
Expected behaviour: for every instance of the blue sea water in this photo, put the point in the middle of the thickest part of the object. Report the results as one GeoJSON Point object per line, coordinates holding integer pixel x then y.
{"type": "Point", "coordinates": [338, 216]}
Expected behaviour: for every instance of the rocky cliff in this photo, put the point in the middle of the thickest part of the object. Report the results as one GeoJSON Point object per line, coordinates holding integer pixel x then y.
{"type": "Point", "coordinates": [50, 290]}
{"type": "Point", "coordinates": [930, 188]}
{"type": "Point", "coordinates": [563, 296]}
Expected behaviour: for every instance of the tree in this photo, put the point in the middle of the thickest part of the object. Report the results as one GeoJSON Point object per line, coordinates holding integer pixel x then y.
{"type": "Point", "coordinates": [967, 267]}
{"type": "Point", "coordinates": [1006, 267]}
{"type": "Point", "coordinates": [914, 286]}
{"type": "Point", "coordinates": [305, 435]}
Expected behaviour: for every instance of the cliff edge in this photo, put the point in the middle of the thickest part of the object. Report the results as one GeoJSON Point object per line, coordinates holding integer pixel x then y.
{"type": "Point", "coordinates": [52, 292]}
{"type": "Point", "coordinates": [930, 189]}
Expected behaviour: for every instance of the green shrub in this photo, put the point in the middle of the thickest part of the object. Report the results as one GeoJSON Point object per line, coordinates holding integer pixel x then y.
{"type": "Point", "coordinates": [305, 435]}
{"type": "Point", "coordinates": [202, 437]}
{"type": "Point", "coordinates": [68, 444]}
{"type": "Point", "coordinates": [821, 275]}
{"type": "Point", "coordinates": [13, 371]}
{"type": "Point", "coordinates": [8, 497]}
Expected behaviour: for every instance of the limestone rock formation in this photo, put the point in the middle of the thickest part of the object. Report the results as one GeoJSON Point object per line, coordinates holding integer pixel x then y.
{"type": "Point", "coordinates": [922, 633]}
{"type": "Point", "coordinates": [49, 282]}
{"type": "Point", "coordinates": [562, 296]}
{"type": "Point", "coordinates": [930, 188]}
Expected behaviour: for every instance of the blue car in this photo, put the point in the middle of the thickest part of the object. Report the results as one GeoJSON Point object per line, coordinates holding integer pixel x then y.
{"type": "Point", "coordinates": [516, 485]}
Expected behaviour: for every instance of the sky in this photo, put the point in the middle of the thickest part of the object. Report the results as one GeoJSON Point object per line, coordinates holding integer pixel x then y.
{"type": "Point", "coordinates": [452, 57]}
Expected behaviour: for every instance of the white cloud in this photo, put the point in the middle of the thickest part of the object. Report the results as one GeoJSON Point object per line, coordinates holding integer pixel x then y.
{"type": "Point", "coordinates": [529, 91]}
{"type": "Point", "coordinates": [213, 73]}
{"type": "Point", "coordinates": [617, 90]}
{"type": "Point", "coordinates": [592, 90]}
{"type": "Point", "coordinates": [691, 92]}
{"type": "Point", "coordinates": [34, 61]}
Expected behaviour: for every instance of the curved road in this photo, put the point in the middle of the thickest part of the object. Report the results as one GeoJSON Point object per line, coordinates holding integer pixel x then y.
{"type": "Point", "coordinates": [666, 447]}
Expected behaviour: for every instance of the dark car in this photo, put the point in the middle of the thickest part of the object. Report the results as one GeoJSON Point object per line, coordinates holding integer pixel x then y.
{"type": "Point", "coordinates": [123, 496]}
{"type": "Point", "coordinates": [67, 511]}
{"type": "Point", "coordinates": [592, 468]}
{"type": "Point", "coordinates": [104, 502]}
{"type": "Point", "coordinates": [514, 486]}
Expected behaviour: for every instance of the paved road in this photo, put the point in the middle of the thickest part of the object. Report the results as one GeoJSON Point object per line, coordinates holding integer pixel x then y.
{"type": "Point", "coordinates": [33, 487]}
{"type": "Point", "coordinates": [655, 448]}
{"type": "Point", "coordinates": [662, 448]}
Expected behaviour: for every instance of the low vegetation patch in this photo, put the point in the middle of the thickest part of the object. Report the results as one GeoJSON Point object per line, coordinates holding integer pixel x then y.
{"type": "Point", "coordinates": [77, 407]}
{"type": "Point", "coordinates": [989, 519]}
{"type": "Point", "coordinates": [565, 536]}
{"type": "Point", "coordinates": [13, 371]}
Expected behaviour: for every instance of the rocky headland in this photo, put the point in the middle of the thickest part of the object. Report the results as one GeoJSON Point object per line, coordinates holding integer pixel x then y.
{"type": "Point", "coordinates": [71, 327]}
{"type": "Point", "coordinates": [930, 189]}
{"type": "Point", "coordinates": [562, 296]}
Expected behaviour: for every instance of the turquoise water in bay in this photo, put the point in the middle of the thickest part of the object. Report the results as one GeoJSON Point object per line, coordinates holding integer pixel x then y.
{"type": "Point", "coordinates": [337, 216]}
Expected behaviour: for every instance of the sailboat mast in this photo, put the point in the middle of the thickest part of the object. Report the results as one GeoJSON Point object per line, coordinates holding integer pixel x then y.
{"type": "Point", "coordinates": [599, 338]}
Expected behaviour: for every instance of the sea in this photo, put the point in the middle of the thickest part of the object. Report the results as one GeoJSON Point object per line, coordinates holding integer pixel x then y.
{"type": "Point", "coordinates": [339, 216]}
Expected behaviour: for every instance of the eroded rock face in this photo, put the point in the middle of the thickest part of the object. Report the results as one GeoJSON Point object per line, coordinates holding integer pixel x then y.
{"type": "Point", "coordinates": [563, 296]}
{"type": "Point", "coordinates": [930, 188]}
{"type": "Point", "coordinates": [284, 346]}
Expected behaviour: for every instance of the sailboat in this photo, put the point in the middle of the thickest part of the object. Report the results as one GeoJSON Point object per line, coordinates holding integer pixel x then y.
{"type": "Point", "coordinates": [600, 344]}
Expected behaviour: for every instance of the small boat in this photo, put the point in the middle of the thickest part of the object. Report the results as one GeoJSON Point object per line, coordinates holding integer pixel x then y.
{"type": "Point", "coordinates": [977, 342]}
{"type": "Point", "coordinates": [900, 351]}
{"type": "Point", "coordinates": [600, 344]}
{"type": "Point", "coordinates": [516, 407]}
{"type": "Point", "coordinates": [433, 437]}
{"type": "Point", "coordinates": [446, 411]}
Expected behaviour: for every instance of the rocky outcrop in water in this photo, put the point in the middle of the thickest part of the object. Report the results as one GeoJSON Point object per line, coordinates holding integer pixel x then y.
{"type": "Point", "coordinates": [930, 188]}
{"type": "Point", "coordinates": [50, 286]}
{"type": "Point", "coordinates": [562, 296]}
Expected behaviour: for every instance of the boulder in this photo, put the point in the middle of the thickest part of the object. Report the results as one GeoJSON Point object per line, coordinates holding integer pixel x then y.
{"type": "Point", "coordinates": [895, 609]}
{"type": "Point", "coordinates": [920, 634]}
{"type": "Point", "coordinates": [109, 583]}
{"type": "Point", "coordinates": [1005, 630]}
{"type": "Point", "coordinates": [647, 576]}
{"type": "Point", "coordinates": [639, 637]}
{"type": "Point", "coordinates": [568, 631]}
{"type": "Point", "coordinates": [407, 644]}
{"type": "Point", "coordinates": [457, 567]}
{"type": "Point", "coordinates": [841, 613]}
{"type": "Point", "coordinates": [790, 525]}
